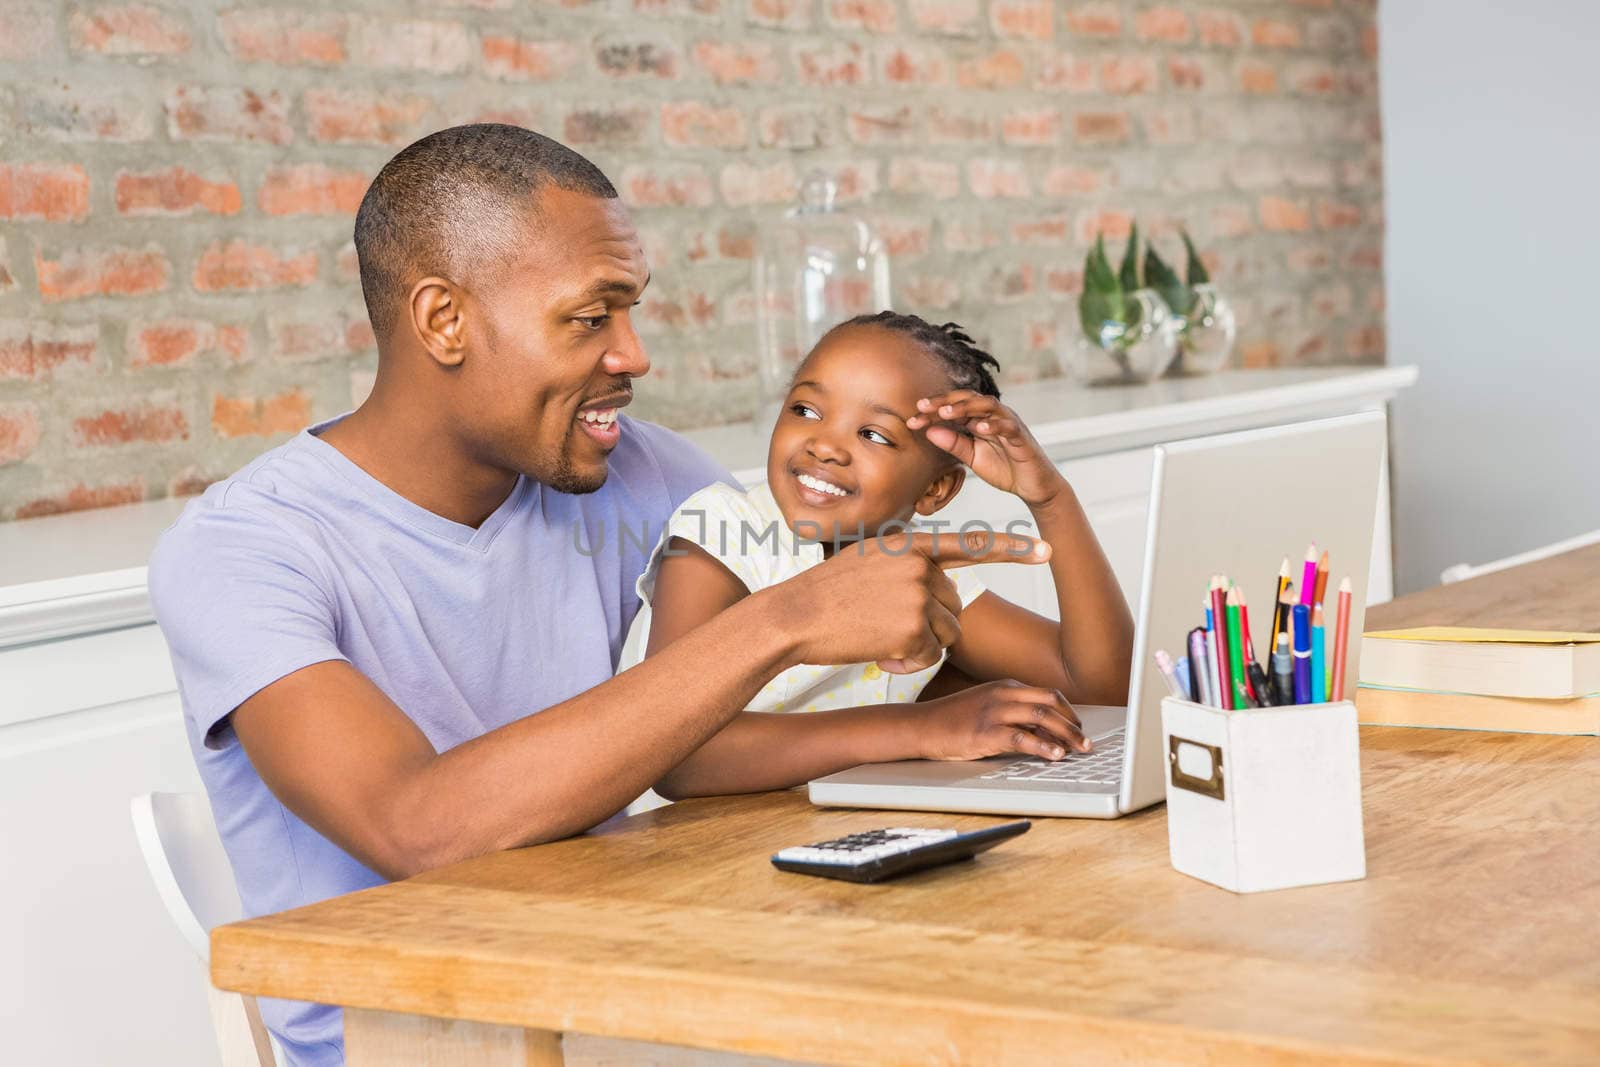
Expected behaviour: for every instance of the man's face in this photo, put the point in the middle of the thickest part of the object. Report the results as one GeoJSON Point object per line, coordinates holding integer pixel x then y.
{"type": "Point", "coordinates": [551, 345]}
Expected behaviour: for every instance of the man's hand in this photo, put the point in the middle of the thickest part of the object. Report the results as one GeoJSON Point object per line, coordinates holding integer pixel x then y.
{"type": "Point", "coordinates": [999, 717]}
{"type": "Point", "coordinates": [887, 599]}
{"type": "Point", "coordinates": [991, 439]}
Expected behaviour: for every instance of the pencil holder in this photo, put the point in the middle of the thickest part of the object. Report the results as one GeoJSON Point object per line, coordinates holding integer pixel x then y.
{"type": "Point", "coordinates": [1265, 798]}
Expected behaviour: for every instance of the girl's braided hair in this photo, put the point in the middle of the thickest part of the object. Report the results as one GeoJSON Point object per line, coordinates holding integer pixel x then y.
{"type": "Point", "coordinates": [969, 366]}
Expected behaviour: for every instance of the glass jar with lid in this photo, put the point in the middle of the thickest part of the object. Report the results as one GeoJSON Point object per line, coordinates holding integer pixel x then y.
{"type": "Point", "coordinates": [815, 268]}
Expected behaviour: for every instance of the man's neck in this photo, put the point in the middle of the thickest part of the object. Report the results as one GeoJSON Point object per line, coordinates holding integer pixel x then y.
{"type": "Point", "coordinates": [416, 460]}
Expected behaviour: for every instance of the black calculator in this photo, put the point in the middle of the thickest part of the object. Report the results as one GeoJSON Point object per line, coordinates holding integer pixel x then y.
{"type": "Point", "coordinates": [877, 855]}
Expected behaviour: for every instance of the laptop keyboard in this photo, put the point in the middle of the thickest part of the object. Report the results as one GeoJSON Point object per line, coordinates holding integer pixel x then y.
{"type": "Point", "coordinates": [1103, 766]}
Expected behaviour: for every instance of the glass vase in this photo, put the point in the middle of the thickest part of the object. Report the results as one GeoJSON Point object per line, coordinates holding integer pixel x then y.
{"type": "Point", "coordinates": [1206, 334]}
{"type": "Point", "coordinates": [1124, 353]}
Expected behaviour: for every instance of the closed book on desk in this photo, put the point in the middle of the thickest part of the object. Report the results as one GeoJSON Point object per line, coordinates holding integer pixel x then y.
{"type": "Point", "coordinates": [1377, 706]}
{"type": "Point", "coordinates": [1536, 664]}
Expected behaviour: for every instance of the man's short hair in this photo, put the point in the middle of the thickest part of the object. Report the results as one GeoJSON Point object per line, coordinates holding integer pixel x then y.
{"type": "Point", "coordinates": [455, 201]}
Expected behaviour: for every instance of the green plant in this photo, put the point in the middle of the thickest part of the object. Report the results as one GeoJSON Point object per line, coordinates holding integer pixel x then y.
{"type": "Point", "coordinates": [1178, 293]}
{"type": "Point", "coordinates": [1104, 310]}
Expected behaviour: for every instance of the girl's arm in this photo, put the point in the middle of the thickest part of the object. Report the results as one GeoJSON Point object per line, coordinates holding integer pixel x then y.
{"type": "Point", "coordinates": [1086, 656]}
{"type": "Point", "coordinates": [758, 751]}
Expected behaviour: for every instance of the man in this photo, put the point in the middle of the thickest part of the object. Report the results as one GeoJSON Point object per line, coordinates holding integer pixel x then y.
{"type": "Point", "coordinates": [364, 620]}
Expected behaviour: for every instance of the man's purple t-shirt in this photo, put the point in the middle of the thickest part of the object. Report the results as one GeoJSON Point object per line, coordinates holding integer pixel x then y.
{"type": "Point", "coordinates": [303, 557]}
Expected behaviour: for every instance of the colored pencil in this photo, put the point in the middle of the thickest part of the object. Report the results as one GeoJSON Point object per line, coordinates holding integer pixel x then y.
{"type": "Point", "coordinates": [1168, 672]}
{"type": "Point", "coordinates": [1308, 578]}
{"type": "Point", "coordinates": [1322, 579]}
{"type": "Point", "coordinates": [1240, 690]}
{"type": "Point", "coordinates": [1284, 581]}
{"type": "Point", "coordinates": [1219, 632]}
{"type": "Point", "coordinates": [1341, 640]}
{"type": "Point", "coordinates": [1213, 694]}
{"type": "Point", "coordinates": [1249, 648]}
{"type": "Point", "coordinates": [1302, 654]}
{"type": "Point", "coordinates": [1319, 657]}
{"type": "Point", "coordinates": [1283, 671]}
{"type": "Point", "coordinates": [1196, 642]}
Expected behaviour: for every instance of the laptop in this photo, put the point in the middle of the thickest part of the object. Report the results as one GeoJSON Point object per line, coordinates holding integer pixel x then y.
{"type": "Point", "coordinates": [1233, 504]}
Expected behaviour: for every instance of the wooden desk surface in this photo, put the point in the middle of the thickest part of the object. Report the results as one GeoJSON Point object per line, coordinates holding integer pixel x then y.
{"type": "Point", "coordinates": [1472, 939]}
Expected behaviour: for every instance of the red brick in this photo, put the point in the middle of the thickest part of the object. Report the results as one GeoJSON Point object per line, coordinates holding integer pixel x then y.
{"type": "Point", "coordinates": [287, 38]}
{"type": "Point", "coordinates": [1231, 220]}
{"type": "Point", "coordinates": [1163, 24]}
{"type": "Point", "coordinates": [85, 272]}
{"type": "Point", "coordinates": [28, 30]}
{"type": "Point", "coordinates": [1338, 215]}
{"type": "Point", "coordinates": [1220, 28]}
{"type": "Point", "coordinates": [736, 244]}
{"type": "Point", "coordinates": [691, 124]}
{"type": "Point", "coordinates": [636, 59]}
{"type": "Point", "coordinates": [1256, 170]}
{"type": "Point", "coordinates": [1315, 78]}
{"type": "Point", "coordinates": [780, 14]}
{"type": "Point", "coordinates": [1367, 343]}
{"type": "Point", "coordinates": [197, 113]}
{"type": "Point", "coordinates": [792, 126]}
{"type": "Point", "coordinates": [129, 30]}
{"type": "Point", "coordinates": [1037, 127]}
{"type": "Point", "coordinates": [874, 16]}
{"type": "Point", "coordinates": [311, 189]}
{"type": "Point", "coordinates": [606, 126]}
{"type": "Point", "coordinates": [1101, 127]}
{"type": "Point", "coordinates": [64, 113]}
{"type": "Point", "coordinates": [1067, 73]}
{"type": "Point", "coordinates": [238, 266]}
{"type": "Point", "coordinates": [730, 64]}
{"type": "Point", "coordinates": [904, 238]}
{"type": "Point", "coordinates": [174, 342]}
{"type": "Point", "coordinates": [1306, 171]}
{"type": "Point", "coordinates": [1112, 224]}
{"type": "Point", "coordinates": [744, 184]}
{"type": "Point", "coordinates": [1031, 20]}
{"type": "Point", "coordinates": [992, 179]}
{"type": "Point", "coordinates": [1041, 336]}
{"type": "Point", "coordinates": [1095, 20]}
{"type": "Point", "coordinates": [364, 118]}
{"type": "Point", "coordinates": [831, 64]}
{"type": "Point", "coordinates": [1274, 33]}
{"type": "Point", "coordinates": [1173, 125]}
{"type": "Point", "coordinates": [1332, 301]}
{"type": "Point", "coordinates": [1365, 257]}
{"type": "Point", "coordinates": [82, 497]}
{"type": "Point", "coordinates": [954, 17]}
{"type": "Point", "coordinates": [1050, 230]}
{"type": "Point", "coordinates": [516, 59]}
{"type": "Point", "coordinates": [1007, 284]}
{"type": "Point", "coordinates": [881, 124]}
{"type": "Point", "coordinates": [1257, 77]}
{"type": "Point", "coordinates": [250, 416]}
{"type": "Point", "coordinates": [1073, 181]}
{"type": "Point", "coordinates": [136, 424]}
{"type": "Point", "coordinates": [1280, 214]}
{"type": "Point", "coordinates": [1185, 72]}
{"type": "Point", "coordinates": [1255, 354]}
{"type": "Point", "coordinates": [1369, 42]}
{"type": "Point", "coordinates": [175, 191]}
{"type": "Point", "coordinates": [1000, 69]}
{"type": "Point", "coordinates": [387, 43]}
{"type": "Point", "coordinates": [19, 432]}
{"type": "Point", "coordinates": [971, 235]}
{"type": "Point", "coordinates": [929, 291]}
{"type": "Point", "coordinates": [952, 127]}
{"type": "Point", "coordinates": [666, 185]}
{"type": "Point", "coordinates": [913, 64]}
{"type": "Point", "coordinates": [528, 116]}
{"type": "Point", "coordinates": [679, 8]}
{"type": "Point", "coordinates": [301, 339]}
{"type": "Point", "coordinates": [924, 177]}
{"type": "Point", "coordinates": [33, 351]}
{"type": "Point", "coordinates": [191, 481]}
{"type": "Point", "coordinates": [52, 192]}
{"type": "Point", "coordinates": [1124, 75]}
{"type": "Point", "coordinates": [347, 263]}
{"type": "Point", "coordinates": [855, 181]}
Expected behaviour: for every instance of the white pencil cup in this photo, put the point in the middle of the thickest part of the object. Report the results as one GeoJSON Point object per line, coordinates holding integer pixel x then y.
{"type": "Point", "coordinates": [1266, 798]}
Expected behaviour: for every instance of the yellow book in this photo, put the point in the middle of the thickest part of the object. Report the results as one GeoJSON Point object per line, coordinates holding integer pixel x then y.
{"type": "Point", "coordinates": [1460, 711]}
{"type": "Point", "coordinates": [1525, 664]}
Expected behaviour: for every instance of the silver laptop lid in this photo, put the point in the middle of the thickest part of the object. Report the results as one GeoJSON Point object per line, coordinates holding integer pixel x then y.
{"type": "Point", "coordinates": [1236, 504]}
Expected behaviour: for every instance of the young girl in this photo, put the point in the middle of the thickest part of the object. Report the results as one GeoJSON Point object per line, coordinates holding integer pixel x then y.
{"type": "Point", "coordinates": [883, 419]}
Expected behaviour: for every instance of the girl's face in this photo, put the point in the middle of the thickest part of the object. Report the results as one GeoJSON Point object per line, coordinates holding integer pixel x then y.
{"type": "Point", "coordinates": [842, 463]}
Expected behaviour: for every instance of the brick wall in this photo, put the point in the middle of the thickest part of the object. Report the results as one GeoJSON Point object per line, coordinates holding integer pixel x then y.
{"type": "Point", "coordinates": [177, 181]}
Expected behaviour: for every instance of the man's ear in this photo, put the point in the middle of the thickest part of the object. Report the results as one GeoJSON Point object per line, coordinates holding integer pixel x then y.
{"type": "Point", "coordinates": [438, 320]}
{"type": "Point", "coordinates": [942, 490]}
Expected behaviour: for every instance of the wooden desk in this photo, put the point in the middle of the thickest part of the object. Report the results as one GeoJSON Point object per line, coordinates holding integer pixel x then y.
{"type": "Point", "coordinates": [1472, 939]}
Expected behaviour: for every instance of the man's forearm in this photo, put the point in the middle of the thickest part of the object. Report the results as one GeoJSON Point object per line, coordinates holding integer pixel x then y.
{"type": "Point", "coordinates": [759, 751]}
{"type": "Point", "coordinates": [568, 767]}
{"type": "Point", "coordinates": [1096, 629]}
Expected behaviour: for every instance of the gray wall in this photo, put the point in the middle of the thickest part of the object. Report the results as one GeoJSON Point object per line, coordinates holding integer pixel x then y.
{"type": "Point", "coordinates": [1491, 118]}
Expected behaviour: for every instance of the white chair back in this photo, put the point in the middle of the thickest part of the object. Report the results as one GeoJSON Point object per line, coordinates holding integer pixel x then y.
{"type": "Point", "coordinates": [184, 854]}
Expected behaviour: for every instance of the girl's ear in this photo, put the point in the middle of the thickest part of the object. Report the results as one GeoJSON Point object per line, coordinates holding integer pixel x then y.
{"type": "Point", "coordinates": [942, 490]}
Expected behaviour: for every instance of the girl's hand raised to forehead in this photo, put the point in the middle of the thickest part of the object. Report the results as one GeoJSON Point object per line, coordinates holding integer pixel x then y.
{"type": "Point", "coordinates": [989, 437]}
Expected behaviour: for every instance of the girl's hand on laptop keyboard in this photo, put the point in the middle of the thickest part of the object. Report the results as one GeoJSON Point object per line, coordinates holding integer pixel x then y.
{"type": "Point", "coordinates": [990, 438]}
{"type": "Point", "coordinates": [997, 718]}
